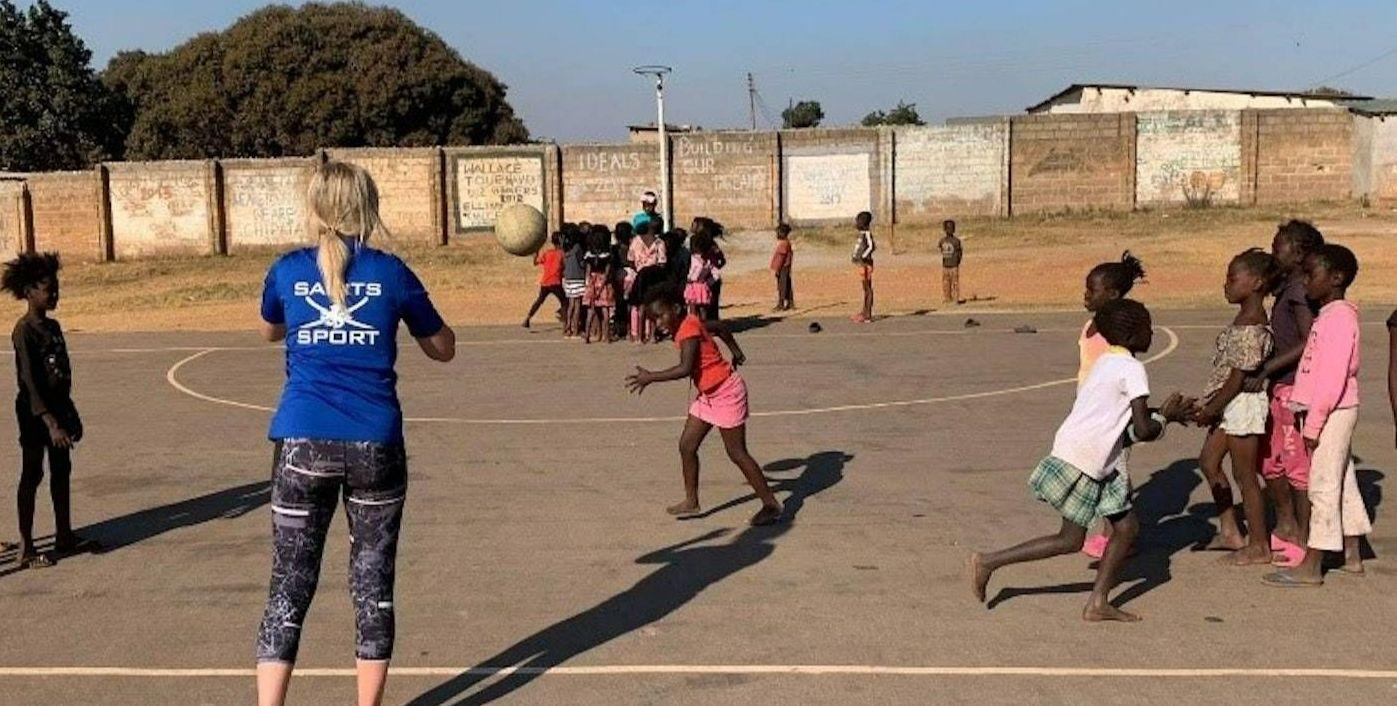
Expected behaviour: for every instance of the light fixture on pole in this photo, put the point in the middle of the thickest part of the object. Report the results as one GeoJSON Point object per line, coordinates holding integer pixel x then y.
{"type": "Point", "coordinates": [659, 72]}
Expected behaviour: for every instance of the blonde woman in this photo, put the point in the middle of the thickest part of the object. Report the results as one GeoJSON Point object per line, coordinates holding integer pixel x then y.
{"type": "Point", "coordinates": [338, 428]}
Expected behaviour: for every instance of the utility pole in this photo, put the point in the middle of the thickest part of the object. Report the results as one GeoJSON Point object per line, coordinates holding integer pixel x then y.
{"type": "Point", "coordinates": [659, 73]}
{"type": "Point", "coordinates": [751, 101]}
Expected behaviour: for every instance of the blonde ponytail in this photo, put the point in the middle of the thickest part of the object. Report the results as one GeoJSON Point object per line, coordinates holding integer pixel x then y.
{"type": "Point", "coordinates": [343, 203]}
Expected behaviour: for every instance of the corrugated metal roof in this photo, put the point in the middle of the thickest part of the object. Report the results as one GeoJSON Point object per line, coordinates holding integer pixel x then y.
{"type": "Point", "coordinates": [1372, 106]}
{"type": "Point", "coordinates": [1244, 91]}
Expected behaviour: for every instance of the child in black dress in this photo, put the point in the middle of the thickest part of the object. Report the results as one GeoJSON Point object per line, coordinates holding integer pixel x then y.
{"type": "Point", "coordinates": [48, 420]}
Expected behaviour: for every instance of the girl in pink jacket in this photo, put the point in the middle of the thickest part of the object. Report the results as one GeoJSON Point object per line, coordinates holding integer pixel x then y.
{"type": "Point", "coordinates": [1325, 399]}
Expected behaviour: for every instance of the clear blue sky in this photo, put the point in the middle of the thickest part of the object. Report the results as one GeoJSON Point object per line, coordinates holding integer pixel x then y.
{"type": "Point", "coordinates": [567, 64]}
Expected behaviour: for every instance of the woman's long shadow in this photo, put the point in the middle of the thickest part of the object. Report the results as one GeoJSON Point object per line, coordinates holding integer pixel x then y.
{"type": "Point", "coordinates": [1168, 525]}
{"type": "Point", "coordinates": [685, 570]}
{"type": "Point", "coordinates": [118, 532]}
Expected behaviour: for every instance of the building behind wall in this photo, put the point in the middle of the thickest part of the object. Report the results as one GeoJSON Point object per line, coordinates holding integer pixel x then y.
{"type": "Point", "coordinates": [1123, 98]}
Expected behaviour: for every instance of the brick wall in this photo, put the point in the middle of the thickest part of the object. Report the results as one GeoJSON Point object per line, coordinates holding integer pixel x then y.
{"type": "Point", "coordinates": [1188, 155]}
{"type": "Point", "coordinates": [829, 175]}
{"type": "Point", "coordinates": [727, 176]}
{"type": "Point", "coordinates": [161, 208]}
{"type": "Point", "coordinates": [409, 189]}
{"type": "Point", "coordinates": [1072, 162]}
{"type": "Point", "coordinates": [264, 202]}
{"type": "Point", "coordinates": [483, 180]}
{"type": "Point", "coordinates": [603, 183]}
{"type": "Point", "coordinates": [942, 172]}
{"type": "Point", "coordinates": [67, 209]}
{"type": "Point", "coordinates": [11, 217]}
{"type": "Point", "coordinates": [1299, 155]}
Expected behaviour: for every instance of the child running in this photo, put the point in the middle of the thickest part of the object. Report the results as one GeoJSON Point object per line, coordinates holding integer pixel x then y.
{"type": "Point", "coordinates": [721, 401]}
{"type": "Point", "coordinates": [698, 288]}
{"type": "Point", "coordinates": [1285, 463]}
{"type": "Point", "coordinates": [599, 296]}
{"type": "Point", "coordinates": [48, 420]}
{"type": "Point", "coordinates": [1106, 282]}
{"type": "Point", "coordinates": [863, 264]}
{"type": "Point", "coordinates": [1236, 419]}
{"type": "Point", "coordinates": [574, 278]}
{"type": "Point", "coordinates": [781, 258]}
{"type": "Point", "coordinates": [550, 277]}
{"type": "Point", "coordinates": [1079, 478]}
{"type": "Point", "coordinates": [1326, 399]}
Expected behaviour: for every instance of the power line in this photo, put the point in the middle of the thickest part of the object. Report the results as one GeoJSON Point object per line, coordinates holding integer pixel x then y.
{"type": "Point", "coordinates": [1358, 67]}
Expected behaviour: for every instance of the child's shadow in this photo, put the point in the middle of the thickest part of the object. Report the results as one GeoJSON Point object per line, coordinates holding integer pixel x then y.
{"type": "Point", "coordinates": [1167, 526]}
{"type": "Point", "coordinates": [684, 570]}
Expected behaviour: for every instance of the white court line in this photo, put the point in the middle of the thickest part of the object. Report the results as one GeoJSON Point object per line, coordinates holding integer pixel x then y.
{"type": "Point", "coordinates": [172, 377]}
{"type": "Point", "coordinates": [735, 669]}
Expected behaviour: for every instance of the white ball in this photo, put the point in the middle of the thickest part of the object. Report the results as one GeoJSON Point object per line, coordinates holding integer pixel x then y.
{"type": "Point", "coordinates": [521, 229]}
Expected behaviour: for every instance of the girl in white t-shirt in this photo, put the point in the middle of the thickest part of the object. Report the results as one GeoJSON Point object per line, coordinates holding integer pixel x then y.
{"type": "Point", "coordinates": [1079, 478]}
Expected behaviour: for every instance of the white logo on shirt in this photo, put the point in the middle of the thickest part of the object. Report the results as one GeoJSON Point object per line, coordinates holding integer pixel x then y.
{"type": "Point", "coordinates": [337, 325]}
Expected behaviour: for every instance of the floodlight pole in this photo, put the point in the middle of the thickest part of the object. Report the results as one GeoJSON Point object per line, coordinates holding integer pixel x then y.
{"type": "Point", "coordinates": [659, 72]}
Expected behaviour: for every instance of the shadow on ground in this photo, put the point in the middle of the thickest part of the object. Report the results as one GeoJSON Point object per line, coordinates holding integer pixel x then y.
{"type": "Point", "coordinates": [119, 532]}
{"type": "Point", "coordinates": [685, 570]}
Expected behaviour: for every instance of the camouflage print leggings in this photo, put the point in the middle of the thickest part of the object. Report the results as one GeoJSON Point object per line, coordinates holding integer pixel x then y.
{"type": "Point", "coordinates": [308, 478]}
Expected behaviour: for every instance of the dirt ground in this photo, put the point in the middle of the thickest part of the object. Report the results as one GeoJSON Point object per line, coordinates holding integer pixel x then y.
{"type": "Point", "coordinates": [535, 535]}
{"type": "Point", "coordinates": [1024, 263]}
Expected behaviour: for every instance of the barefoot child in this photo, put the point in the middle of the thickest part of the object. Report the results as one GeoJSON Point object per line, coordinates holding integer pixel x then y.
{"type": "Point", "coordinates": [863, 264]}
{"type": "Point", "coordinates": [1106, 282]}
{"type": "Point", "coordinates": [574, 278]}
{"type": "Point", "coordinates": [781, 258]}
{"type": "Point", "coordinates": [550, 277]}
{"type": "Point", "coordinates": [48, 420]}
{"type": "Point", "coordinates": [1236, 420]}
{"type": "Point", "coordinates": [600, 296]}
{"type": "Point", "coordinates": [698, 287]}
{"type": "Point", "coordinates": [1325, 399]}
{"type": "Point", "coordinates": [1079, 478]}
{"type": "Point", "coordinates": [1285, 463]}
{"type": "Point", "coordinates": [721, 400]}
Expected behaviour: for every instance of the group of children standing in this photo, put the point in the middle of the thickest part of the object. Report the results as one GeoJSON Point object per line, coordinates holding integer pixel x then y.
{"type": "Point", "coordinates": [1281, 402]}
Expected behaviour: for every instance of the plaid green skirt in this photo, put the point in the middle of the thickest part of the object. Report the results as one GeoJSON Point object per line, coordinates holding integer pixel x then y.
{"type": "Point", "coordinates": [1079, 497]}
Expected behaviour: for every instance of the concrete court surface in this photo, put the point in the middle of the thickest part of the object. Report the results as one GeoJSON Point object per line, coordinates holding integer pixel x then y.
{"type": "Point", "coordinates": [540, 544]}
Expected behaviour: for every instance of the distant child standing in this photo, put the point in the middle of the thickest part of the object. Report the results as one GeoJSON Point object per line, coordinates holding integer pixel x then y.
{"type": "Point", "coordinates": [1236, 420]}
{"type": "Point", "coordinates": [951, 254]}
{"type": "Point", "coordinates": [1106, 282]}
{"type": "Point", "coordinates": [1285, 462]}
{"type": "Point", "coordinates": [721, 401]}
{"type": "Point", "coordinates": [698, 292]}
{"type": "Point", "coordinates": [647, 252]}
{"type": "Point", "coordinates": [1079, 478]}
{"type": "Point", "coordinates": [550, 277]}
{"type": "Point", "coordinates": [781, 259]}
{"type": "Point", "coordinates": [622, 270]}
{"type": "Point", "coordinates": [574, 278]}
{"type": "Point", "coordinates": [49, 424]}
{"type": "Point", "coordinates": [863, 264]}
{"type": "Point", "coordinates": [600, 296]}
{"type": "Point", "coordinates": [1326, 399]}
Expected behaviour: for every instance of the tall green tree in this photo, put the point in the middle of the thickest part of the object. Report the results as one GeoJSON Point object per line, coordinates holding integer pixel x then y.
{"type": "Point", "coordinates": [803, 114]}
{"type": "Point", "coordinates": [903, 114]}
{"type": "Point", "coordinates": [285, 81]}
{"type": "Point", "coordinates": [54, 114]}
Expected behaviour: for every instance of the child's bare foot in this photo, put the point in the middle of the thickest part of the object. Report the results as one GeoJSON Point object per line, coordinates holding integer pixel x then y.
{"type": "Point", "coordinates": [979, 576]}
{"type": "Point", "coordinates": [1247, 556]}
{"type": "Point", "coordinates": [688, 507]}
{"type": "Point", "coordinates": [1225, 542]}
{"type": "Point", "coordinates": [1108, 612]}
{"type": "Point", "coordinates": [768, 515]}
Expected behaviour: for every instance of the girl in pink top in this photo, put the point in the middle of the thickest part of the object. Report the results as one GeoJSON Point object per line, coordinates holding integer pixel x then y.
{"type": "Point", "coordinates": [647, 250]}
{"type": "Point", "coordinates": [1106, 282]}
{"type": "Point", "coordinates": [1325, 398]}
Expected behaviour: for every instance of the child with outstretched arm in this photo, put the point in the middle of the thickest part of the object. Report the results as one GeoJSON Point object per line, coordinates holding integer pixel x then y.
{"type": "Point", "coordinates": [1079, 478]}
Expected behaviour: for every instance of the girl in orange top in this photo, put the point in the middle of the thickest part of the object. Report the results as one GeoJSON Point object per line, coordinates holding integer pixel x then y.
{"type": "Point", "coordinates": [721, 401]}
{"type": "Point", "coordinates": [1106, 282]}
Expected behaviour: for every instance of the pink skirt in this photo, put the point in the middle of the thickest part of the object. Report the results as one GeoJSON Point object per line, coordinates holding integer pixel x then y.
{"type": "Point", "coordinates": [697, 293]}
{"type": "Point", "coordinates": [725, 407]}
